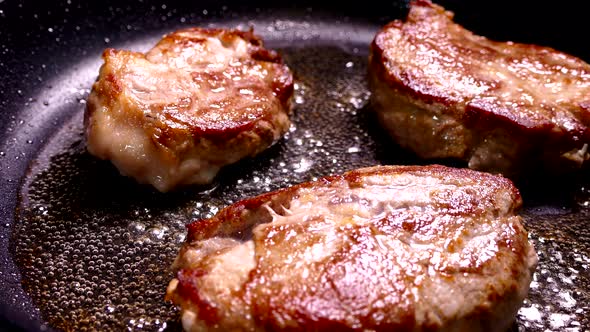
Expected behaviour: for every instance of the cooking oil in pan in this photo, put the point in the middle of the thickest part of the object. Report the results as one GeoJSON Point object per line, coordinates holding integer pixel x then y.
{"type": "Point", "coordinates": [95, 248]}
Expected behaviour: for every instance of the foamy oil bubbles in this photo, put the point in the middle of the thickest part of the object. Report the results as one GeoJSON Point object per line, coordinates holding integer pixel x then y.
{"type": "Point", "coordinates": [95, 248]}
{"type": "Point", "coordinates": [299, 91]}
{"type": "Point", "coordinates": [558, 298]}
{"type": "Point", "coordinates": [103, 245]}
{"type": "Point", "coordinates": [93, 256]}
{"type": "Point", "coordinates": [582, 196]}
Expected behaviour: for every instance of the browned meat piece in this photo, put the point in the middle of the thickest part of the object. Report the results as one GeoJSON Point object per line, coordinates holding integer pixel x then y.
{"type": "Point", "coordinates": [444, 92]}
{"type": "Point", "coordinates": [199, 100]}
{"type": "Point", "coordinates": [387, 248]}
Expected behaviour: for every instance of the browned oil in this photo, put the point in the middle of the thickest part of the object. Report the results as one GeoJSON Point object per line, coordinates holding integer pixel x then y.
{"type": "Point", "coordinates": [95, 248]}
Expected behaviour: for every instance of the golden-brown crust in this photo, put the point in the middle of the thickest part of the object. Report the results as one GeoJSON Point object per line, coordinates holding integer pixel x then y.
{"type": "Point", "coordinates": [198, 100]}
{"type": "Point", "coordinates": [207, 121]}
{"type": "Point", "coordinates": [538, 92]}
{"type": "Point", "coordinates": [218, 122]}
{"type": "Point", "coordinates": [227, 221]}
{"type": "Point", "coordinates": [376, 273]}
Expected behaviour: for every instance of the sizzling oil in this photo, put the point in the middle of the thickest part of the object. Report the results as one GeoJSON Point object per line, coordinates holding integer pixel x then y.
{"type": "Point", "coordinates": [94, 248]}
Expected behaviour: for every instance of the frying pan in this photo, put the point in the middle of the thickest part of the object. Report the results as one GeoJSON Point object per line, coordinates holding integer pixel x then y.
{"type": "Point", "coordinates": [83, 248]}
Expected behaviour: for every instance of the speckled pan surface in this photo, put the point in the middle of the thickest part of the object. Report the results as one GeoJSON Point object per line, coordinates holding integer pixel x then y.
{"type": "Point", "coordinates": [82, 248]}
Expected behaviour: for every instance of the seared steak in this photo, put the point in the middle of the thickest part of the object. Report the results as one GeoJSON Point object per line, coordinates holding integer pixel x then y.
{"type": "Point", "coordinates": [199, 100]}
{"type": "Point", "coordinates": [396, 248]}
{"type": "Point", "coordinates": [444, 92]}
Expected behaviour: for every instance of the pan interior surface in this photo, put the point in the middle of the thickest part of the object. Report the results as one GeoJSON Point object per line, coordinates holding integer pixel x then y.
{"type": "Point", "coordinates": [93, 249]}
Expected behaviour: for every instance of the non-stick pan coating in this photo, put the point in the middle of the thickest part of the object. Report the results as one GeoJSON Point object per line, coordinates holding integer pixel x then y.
{"type": "Point", "coordinates": [82, 247]}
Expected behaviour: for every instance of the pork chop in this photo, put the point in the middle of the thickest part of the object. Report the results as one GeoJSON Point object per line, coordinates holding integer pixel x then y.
{"type": "Point", "coordinates": [444, 92]}
{"type": "Point", "coordinates": [386, 248]}
{"type": "Point", "coordinates": [199, 100]}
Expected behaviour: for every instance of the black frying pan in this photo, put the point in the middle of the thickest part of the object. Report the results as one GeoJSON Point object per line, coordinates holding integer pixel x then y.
{"type": "Point", "coordinates": [84, 248]}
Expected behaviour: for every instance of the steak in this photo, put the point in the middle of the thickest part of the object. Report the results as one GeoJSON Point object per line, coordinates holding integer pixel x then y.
{"type": "Point", "coordinates": [503, 107]}
{"type": "Point", "coordinates": [199, 100]}
{"type": "Point", "coordinates": [385, 248]}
